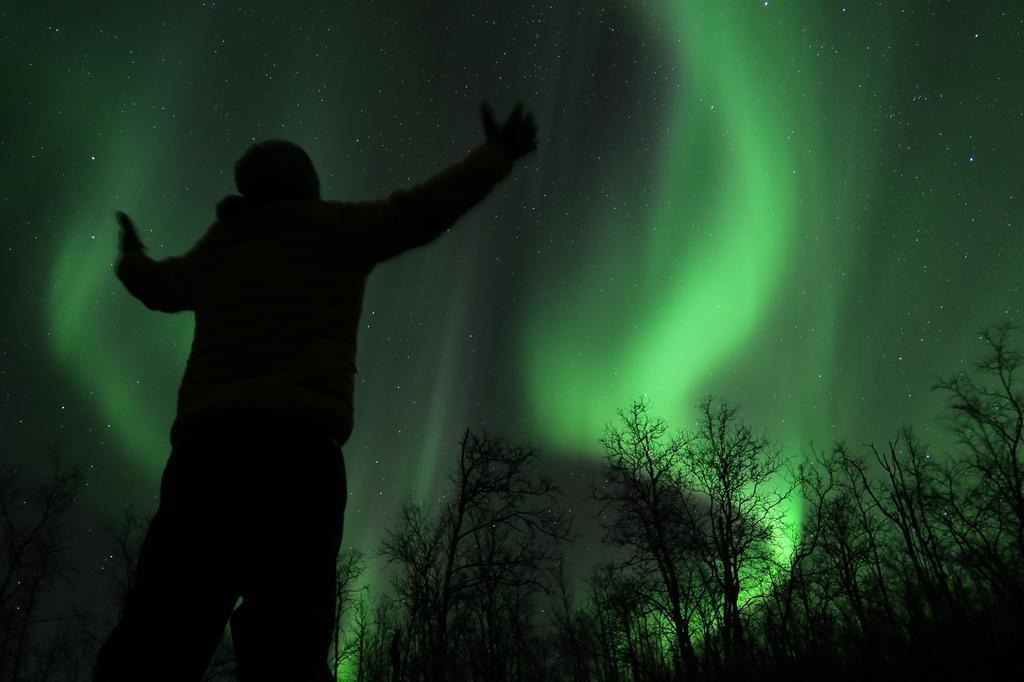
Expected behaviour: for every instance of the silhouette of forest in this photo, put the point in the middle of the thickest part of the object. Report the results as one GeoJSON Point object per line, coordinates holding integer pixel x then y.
{"type": "Point", "coordinates": [899, 559]}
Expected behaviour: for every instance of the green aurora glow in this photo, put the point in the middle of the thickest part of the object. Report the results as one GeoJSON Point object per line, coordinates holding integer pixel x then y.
{"type": "Point", "coordinates": [802, 207]}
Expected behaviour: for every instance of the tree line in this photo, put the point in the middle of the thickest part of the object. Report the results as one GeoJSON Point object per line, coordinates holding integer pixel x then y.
{"type": "Point", "coordinates": [726, 558]}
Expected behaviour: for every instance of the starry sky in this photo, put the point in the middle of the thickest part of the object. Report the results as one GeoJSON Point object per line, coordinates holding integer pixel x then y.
{"type": "Point", "coordinates": [809, 208]}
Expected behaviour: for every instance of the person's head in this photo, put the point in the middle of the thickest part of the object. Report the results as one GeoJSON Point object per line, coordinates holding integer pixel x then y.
{"type": "Point", "coordinates": [276, 170]}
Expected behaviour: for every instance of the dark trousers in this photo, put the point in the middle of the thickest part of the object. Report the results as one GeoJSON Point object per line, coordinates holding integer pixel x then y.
{"type": "Point", "coordinates": [252, 507]}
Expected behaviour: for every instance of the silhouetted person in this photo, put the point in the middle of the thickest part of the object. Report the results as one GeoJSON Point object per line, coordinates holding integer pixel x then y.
{"type": "Point", "coordinates": [253, 495]}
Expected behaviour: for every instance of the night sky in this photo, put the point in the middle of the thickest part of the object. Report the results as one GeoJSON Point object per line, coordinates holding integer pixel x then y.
{"type": "Point", "coordinates": [809, 208]}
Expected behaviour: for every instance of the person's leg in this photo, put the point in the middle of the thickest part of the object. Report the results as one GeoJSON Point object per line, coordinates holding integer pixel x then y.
{"type": "Point", "coordinates": [284, 626]}
{"type": "Point", "coordinates": [181, 598]}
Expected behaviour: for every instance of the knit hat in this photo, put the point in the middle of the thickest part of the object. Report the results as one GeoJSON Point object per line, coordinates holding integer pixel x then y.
{"type": "Point", "coordinates": [276, 170]}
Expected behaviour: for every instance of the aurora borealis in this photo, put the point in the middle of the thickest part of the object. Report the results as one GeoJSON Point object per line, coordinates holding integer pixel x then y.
{"type": "Point", "coordinates": [806, 207]}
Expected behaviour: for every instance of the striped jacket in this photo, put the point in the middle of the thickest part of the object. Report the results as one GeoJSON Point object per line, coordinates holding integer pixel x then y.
{"type": "Point", "coordinates": [277, 292]}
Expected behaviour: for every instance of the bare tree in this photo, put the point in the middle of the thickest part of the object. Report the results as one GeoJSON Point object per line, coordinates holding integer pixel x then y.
{"type": "Point", "coordinates": [126, 534]}
{"type": "Point", "coordinates": [733, 478]}
{"type": "Point", "coordinates": [349, 566]}
{"type": "Point", "coordinates": [796, 614]}
{"type": "Point", "coordinates": [571, 628]}
{"type": "Point", "coordinates": [985, 483]}
{"type": "Point", "coordinates": [34, 540]}
{"type": "Point", "coordinates": [643, 507]}
{"type": "Point", "coordinates": [908, 496]}
{"type": "Point", "coordinates": [499, 530]}
{"type": "Point", "coordinates": [374, 640]}
{"type": "Point", "coordinates": [837, 584]}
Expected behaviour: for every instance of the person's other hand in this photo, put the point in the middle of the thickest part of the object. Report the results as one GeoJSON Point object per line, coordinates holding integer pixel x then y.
{"type": "Point", "coordinates": [518, 135]}
{"type": "Point", "coordinates": [129, 237]}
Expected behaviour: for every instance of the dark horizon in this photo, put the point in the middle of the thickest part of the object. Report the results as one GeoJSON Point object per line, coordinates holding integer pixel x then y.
{"type": "Point", "coordinates": [906, 558]}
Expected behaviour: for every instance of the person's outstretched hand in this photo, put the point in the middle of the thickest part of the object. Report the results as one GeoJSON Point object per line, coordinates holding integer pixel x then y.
{"type": "Point", "coordinates": [518, 135]}
{"type": "Point", "coordinates": [129, 237]}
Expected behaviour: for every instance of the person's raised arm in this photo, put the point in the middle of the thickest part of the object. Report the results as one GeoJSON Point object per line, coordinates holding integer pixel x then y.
{"type": "Point", "coordinates": [160, 285]}
{"type": "Point", "coordinates": [415, 216]}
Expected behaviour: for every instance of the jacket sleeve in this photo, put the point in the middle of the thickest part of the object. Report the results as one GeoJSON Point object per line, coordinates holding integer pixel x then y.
{"type": "Point", "coordinates": [161, 285]}
{"type": "Point", "coordinates": [417, 215]}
